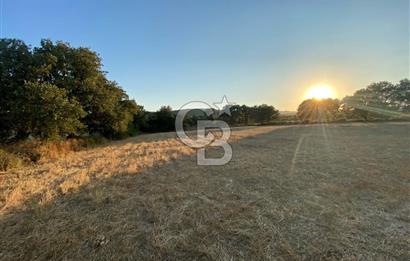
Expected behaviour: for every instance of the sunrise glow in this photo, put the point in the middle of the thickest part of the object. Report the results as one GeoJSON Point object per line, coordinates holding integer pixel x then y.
{"type": "Point", "coordinates": [320, 91]}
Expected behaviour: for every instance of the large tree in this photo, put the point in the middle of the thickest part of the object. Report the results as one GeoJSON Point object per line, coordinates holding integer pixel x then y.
{"type": "Point", "coordinates": [161, 120]}
{"type": "Point", "coordinates": [318, 110]}
{"type": "Point", "coordinates": [379, 100]}
{"type": "Point", "coordinates": [15, 70]}
{"type": "Point", "coordinates": [46, 111]}
{"type": "Point", "coordinates": [243, 115]}
{"type": "Point", "coordinates": [263, 113]}
{"type": "Point", "coordinates": [77, 71]}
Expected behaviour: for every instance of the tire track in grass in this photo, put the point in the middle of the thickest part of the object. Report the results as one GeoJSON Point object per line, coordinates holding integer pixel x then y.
{"type": "Point", "coordinates": [295, 155]}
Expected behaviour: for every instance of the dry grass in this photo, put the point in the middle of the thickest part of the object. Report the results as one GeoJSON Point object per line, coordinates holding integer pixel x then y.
{"type": "Point", "coordinates": [314, 192]}
{"type": "Point", "coordinates": [9, 161]}
{"type": "Point", "coordinates": [36, 151]}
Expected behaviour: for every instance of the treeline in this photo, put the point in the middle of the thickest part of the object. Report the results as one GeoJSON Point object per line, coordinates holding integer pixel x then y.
{"type": "Point", "coordinates": [239, 115]}
{"type": "Point", "coordinates": [378, 101]}
{"type": "Point", "coordinates": [245, 115]}
{"type": "Point", "coordinates": [164, 118]}
{"type": "Point", "coordinates": [56, 90]}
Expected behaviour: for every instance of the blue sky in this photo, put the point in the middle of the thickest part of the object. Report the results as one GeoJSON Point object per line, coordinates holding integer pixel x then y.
{"type": "Point", "coordinates": [171, 52]}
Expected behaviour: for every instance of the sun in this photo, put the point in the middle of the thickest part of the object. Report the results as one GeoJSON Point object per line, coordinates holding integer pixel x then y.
{"type": "Point", "coordinates": [320, 91]}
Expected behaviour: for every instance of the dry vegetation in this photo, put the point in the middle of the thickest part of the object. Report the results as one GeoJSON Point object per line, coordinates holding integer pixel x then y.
{"type": "Point", "coordinates": [311, 192]}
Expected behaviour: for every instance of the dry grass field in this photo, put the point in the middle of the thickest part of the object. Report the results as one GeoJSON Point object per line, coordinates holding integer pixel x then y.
{"type": "Point", "coordinates": [320, 192]}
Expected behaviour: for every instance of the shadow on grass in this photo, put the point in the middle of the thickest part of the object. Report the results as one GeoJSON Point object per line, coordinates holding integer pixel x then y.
{"type": "Point", "coordinates": [248, 209]}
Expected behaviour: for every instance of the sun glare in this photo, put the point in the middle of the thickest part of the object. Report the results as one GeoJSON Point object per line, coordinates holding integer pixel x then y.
{"type": "Point", "coordinates": [319, 92]}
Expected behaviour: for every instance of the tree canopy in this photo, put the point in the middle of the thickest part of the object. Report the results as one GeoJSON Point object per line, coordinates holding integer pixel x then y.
{"type": "Point", "coordinates": [258, 114]}
{"type": "Point", "coordinates": [380, 99]}
{"type": "Point", "coordinates": [61, 88]}
{"type": "Point", "coordinates": [318, 110]}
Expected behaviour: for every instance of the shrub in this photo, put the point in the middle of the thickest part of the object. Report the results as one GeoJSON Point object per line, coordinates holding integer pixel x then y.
{"type": "Point", "coordinates": [94, 140]}
{"type": "Point", "coordinates": [32, 151]}
{"type": "Point", "coordinates": [9, 161]}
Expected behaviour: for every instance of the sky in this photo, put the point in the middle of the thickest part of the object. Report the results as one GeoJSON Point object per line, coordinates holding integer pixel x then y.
{"type": "Point", "coordinates": [171, 52]}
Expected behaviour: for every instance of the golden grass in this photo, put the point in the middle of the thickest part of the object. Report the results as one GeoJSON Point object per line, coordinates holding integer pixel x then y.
{"type": "Point", "coordinates": [145, 198]}
{"type": "Point", "coordinates": [38, 151]}
{"type": "Point", "coordinates": [62, 163]}
{"type": "Point", "coordinates": [9, 160]}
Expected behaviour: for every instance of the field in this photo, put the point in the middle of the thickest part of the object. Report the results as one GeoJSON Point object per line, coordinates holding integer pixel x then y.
{"type": "Point", "coordinates": [338, 191]}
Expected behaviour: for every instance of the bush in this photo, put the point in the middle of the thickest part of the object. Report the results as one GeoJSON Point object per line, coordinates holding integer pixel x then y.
{"type": "Point", "coordinates": [9, 161]}
{"type": "Point", "coordinates": [33, 151]}
{"type": "Point", "coordinates": [94, 140]}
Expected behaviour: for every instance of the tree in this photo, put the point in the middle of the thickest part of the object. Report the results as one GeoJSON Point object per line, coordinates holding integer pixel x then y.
{"type": "Point", "coordinates": [243, 115]}
{"type": "Point", "coordinates": [379, 100]}
{"type": "Point", "coordinates": [140, 120]}
{"type": "Point", "coordinates": [318, 110]}
{"type": "Point", "coordinates": [47, 112]}
{"type": "Point", "coordinates": [162, 120]}
{"type": "Point", "coordinates": [15, 69]}
{"type": "Point", "coordinates": [76, 71]}
{"type": "Point", "coordinates": [236, 116]}
{"type": "Point", "coordinates": [400, 96]}
{"type": "Point", "coordinates": [264, 113]}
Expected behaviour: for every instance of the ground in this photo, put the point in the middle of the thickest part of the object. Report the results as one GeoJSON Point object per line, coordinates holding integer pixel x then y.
{"type": "Point", "coordinates": [337, 191]}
